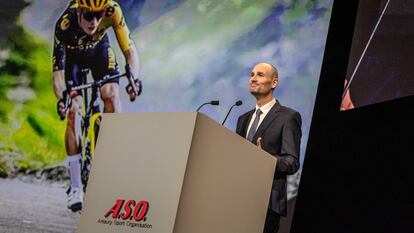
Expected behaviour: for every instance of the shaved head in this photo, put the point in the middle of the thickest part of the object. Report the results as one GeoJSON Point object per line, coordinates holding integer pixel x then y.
{"type": "Point", "coordinates": [273, 69]}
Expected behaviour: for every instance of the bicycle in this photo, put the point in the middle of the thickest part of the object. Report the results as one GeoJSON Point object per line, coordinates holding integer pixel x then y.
{"type": "Point", "coordinates": [91, 117]}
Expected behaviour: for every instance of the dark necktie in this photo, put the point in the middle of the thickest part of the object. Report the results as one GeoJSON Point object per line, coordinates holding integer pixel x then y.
{"type": "Point", "coordinates": [253, 128]}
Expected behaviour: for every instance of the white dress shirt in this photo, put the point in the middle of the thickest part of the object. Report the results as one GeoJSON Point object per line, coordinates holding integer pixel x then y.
{"type": "Point", "coordinates": [265, 109]}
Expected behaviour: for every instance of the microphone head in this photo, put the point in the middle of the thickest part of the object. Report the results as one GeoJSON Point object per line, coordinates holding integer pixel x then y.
{"type": "Point", "coordinates": [214, 102]}
{"type": "Point", "coordinates": [239, 102]}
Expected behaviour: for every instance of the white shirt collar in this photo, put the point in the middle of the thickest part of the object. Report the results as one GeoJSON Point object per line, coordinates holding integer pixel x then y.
{"type": "Point", "coordinates": [266, 108]}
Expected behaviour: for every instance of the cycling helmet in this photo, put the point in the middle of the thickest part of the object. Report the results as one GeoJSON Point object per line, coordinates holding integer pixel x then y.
{"type": "Point", "coordinates": [93, 5]}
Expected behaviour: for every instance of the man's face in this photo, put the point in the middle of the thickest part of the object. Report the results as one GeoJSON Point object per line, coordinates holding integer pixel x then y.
{"type": "Point", "coordinates": [261, 81]}
{"type": "Point", "coordinates": [90, 20]}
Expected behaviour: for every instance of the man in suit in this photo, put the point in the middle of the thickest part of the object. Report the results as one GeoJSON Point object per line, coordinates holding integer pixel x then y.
{"type": "Point", "coordinates": [277, 130]}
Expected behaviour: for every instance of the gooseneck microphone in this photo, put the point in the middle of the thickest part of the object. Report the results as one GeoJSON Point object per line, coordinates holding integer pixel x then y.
{"type": "Point", "coordinates": [213, 102]}
{"type": "Point", "coordinates": [238, 103]}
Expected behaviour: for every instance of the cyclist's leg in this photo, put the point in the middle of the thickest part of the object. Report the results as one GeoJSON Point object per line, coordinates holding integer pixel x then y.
{"type": "Point", "coordinates": [110, 97]}
{"type": "Point", "coordinates": [105, 63]}
{"type": "Point", "coordinates": [73, 138]}
{"type": "Point", "coordinates": [73, 127]}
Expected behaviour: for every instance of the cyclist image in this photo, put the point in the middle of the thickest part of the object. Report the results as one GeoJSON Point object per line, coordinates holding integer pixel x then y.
{"type": "Point", "coordinates": [81, 42]}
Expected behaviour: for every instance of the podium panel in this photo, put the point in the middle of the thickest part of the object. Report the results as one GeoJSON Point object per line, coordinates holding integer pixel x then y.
{"type": "Point", "coordinates": [227, 183]}
{"type": "Point", "coordinates": [175, 172]}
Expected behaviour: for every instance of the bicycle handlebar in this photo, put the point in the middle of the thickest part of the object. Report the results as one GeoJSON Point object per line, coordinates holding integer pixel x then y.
{"type": "Point", "coordinates": [68, 100]}
{"type": "Point", "coordinates": [97, 83]}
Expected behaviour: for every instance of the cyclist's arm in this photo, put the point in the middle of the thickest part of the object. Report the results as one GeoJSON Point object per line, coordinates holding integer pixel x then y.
{"type": "Point", "coordinates": [131, 58]}
{"type": "Point", "coordinates": [59, 53]}
{"type": "Point", "coordinates": [59, 83]}
{"type": "Point", "coordinates": [126, 44]}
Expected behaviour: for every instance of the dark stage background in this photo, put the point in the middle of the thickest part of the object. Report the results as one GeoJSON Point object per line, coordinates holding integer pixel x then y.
{"type": "Point", "coordinates": [357, 175]}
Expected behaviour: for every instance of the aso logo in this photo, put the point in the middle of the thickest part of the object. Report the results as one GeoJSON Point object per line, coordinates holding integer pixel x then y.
{"type": "Point", "coordinates": [128, 210]}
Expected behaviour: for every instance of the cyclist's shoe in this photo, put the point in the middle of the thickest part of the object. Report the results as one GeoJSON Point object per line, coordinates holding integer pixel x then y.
{"type": "Point", "coordinates": [75, 199]}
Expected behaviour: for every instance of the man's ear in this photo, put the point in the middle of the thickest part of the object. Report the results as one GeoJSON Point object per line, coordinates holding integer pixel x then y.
{"type": "Point", "coordinates": [275, 82]}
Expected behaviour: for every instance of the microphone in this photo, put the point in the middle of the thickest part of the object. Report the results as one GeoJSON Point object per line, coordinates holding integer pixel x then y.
{"type": "Point", "coordinates": [238, 103]}
{"type": "Point", "coordinates": [213, 102]}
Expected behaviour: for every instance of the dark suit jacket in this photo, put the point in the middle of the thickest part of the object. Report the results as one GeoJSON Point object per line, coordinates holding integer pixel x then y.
{"type": "Point", "coordinates": [281, 132]}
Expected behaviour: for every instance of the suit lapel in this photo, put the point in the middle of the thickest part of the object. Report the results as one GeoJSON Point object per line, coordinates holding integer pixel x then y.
{"type": "Point", "coordinates": [270, 117]}
{"type": "Point", "coordinates": [245, 123]}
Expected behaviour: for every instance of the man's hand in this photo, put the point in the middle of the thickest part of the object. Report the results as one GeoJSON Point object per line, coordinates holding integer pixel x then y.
{"type": "Point", "coordinates": [61, 108]}
{"type": "Point", "coordinates": [64, 104]}
{"type": "Point", "coordinates": [259, 143]}
{"type": "Point", "coordinates": [134, 87]}
{"type": "Point", "coordinates": [134, 93]}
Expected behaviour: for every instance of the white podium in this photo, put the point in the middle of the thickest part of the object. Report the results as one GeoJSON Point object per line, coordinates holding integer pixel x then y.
{"type": "Point", "coordinates": [175, 173]}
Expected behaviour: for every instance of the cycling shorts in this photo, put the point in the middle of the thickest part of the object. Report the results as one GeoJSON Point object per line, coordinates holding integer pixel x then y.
{"type": "Point", "coordinates": [100, 60]}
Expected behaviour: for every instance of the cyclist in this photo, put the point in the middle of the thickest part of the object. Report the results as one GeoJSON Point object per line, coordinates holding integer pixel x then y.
{"type": "Point", "coordinates": [81, 42]}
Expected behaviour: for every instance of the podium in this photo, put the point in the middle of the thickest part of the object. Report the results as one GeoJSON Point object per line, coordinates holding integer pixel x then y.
{"type": "Point", "coordinates": [175, 173]}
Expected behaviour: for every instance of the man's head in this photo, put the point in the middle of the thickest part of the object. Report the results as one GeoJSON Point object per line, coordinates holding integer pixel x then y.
{"type": "Point", "coordinates": [90, 14]}
{"type": "Point", "coordinates": [264, 79]}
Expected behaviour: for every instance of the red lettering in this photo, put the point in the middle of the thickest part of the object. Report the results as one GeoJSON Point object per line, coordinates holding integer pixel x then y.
{"type": "Point", "coordinates": [115, 209]}
{"type": "Point", "coordinates": [128, 209]}
{"type": "Point", "coordinates": [141, 210]}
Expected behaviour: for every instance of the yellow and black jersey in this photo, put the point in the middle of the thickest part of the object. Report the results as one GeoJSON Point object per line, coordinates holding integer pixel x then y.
{"type": "Point", "coordinates": [70, 38]}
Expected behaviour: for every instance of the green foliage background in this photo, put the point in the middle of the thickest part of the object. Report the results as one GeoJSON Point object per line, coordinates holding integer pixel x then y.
{"type": "Point", "coordinates": [31, 134]}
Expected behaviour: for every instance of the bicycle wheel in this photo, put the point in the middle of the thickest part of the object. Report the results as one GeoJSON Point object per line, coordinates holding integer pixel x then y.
{"type": "Point", "coordinates": [92, 134]}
